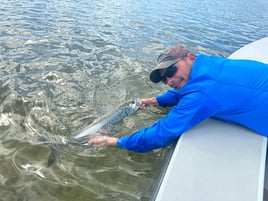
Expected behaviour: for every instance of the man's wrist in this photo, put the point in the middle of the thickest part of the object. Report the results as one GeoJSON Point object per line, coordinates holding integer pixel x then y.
{"type": "Point", "coordinates": [112, 141]}
{"type": "Point", "coordinates": [154, 101]}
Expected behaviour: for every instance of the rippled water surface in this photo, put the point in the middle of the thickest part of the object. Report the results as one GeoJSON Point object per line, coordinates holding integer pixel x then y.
{"type": "Point", "coordinates": [64, 63]}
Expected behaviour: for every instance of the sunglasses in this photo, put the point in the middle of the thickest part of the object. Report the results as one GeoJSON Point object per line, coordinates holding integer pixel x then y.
{"type": "Point", "coordinates": [170, 72]}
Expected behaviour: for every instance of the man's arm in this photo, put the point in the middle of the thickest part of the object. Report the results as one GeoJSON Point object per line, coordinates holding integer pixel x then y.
{"type": "Point", "coordinates": [102, 141]}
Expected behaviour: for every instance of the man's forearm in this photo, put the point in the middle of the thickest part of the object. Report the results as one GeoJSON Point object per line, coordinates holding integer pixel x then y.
{"type": "Point", "coordinates": [102, 141]}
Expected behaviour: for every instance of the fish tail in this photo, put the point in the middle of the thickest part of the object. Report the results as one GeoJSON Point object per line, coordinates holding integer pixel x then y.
{"type": "Point", "coordinates": [56, 150]}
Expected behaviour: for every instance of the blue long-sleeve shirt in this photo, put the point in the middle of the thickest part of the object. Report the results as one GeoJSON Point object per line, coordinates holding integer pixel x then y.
{"type": "Point", "coordinates": [231, 90]}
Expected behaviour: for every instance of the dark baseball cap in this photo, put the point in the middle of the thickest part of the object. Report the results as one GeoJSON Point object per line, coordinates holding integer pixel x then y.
{"type": "Point", "coordinates": [171, 56]}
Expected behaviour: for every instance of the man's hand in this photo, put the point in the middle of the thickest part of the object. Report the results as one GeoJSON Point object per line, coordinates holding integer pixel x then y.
{"type": "Point", "coordinates": [146, 102]}
{"type": "Point", "coordinates": [101, 140]}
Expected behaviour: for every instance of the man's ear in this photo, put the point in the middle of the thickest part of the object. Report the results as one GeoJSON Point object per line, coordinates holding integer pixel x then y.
{"type": "Point", "coordinates": [191, 56]}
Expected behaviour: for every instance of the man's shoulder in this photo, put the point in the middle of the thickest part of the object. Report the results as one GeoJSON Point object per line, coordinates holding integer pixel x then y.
{"type": "Point", "coordinates": [209, 57]}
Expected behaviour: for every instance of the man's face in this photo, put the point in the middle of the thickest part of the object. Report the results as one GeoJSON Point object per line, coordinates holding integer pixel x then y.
{"type": "Point", "coordinates": [176, 75]}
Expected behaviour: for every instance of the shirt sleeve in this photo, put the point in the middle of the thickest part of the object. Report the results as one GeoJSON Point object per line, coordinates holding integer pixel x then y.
{"type": "Point", "coordinates": [170, 98]}
{"type": "Point", "coordinates": [191, 110]}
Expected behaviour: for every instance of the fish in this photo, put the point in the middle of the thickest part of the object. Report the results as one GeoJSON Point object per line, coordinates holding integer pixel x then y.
{"type": "Point", "coordinates": [80, 138]}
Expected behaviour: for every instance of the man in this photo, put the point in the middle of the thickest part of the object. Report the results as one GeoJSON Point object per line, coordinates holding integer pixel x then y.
{"type": "Point", "coordinates": [235, 91]}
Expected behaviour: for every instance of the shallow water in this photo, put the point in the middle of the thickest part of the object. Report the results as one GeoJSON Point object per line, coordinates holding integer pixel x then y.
{"type": "Point", "coordinates": [64, 63]}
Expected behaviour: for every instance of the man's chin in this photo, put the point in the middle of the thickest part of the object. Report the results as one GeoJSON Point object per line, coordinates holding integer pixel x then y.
{"type": "Point", "coordinates": [179, 84]}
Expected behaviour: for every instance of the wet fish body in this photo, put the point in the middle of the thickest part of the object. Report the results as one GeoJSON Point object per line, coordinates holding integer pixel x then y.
{"type": "Point", "coordinates": [81, 137]}
{"type": "Point", "coordinates": [111, 118]}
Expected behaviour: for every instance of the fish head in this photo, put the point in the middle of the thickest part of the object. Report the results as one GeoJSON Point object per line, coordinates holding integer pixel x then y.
{"type": "Point", "coordinates": [134, 106]}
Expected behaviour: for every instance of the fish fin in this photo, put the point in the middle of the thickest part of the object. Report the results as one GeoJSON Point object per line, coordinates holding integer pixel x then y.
{"type": "Point", "coordinates": [56, 150]}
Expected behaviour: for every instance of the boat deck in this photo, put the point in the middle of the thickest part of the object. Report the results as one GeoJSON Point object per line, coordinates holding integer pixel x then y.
{"type": "Point", "coordinates": [211, 166]}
